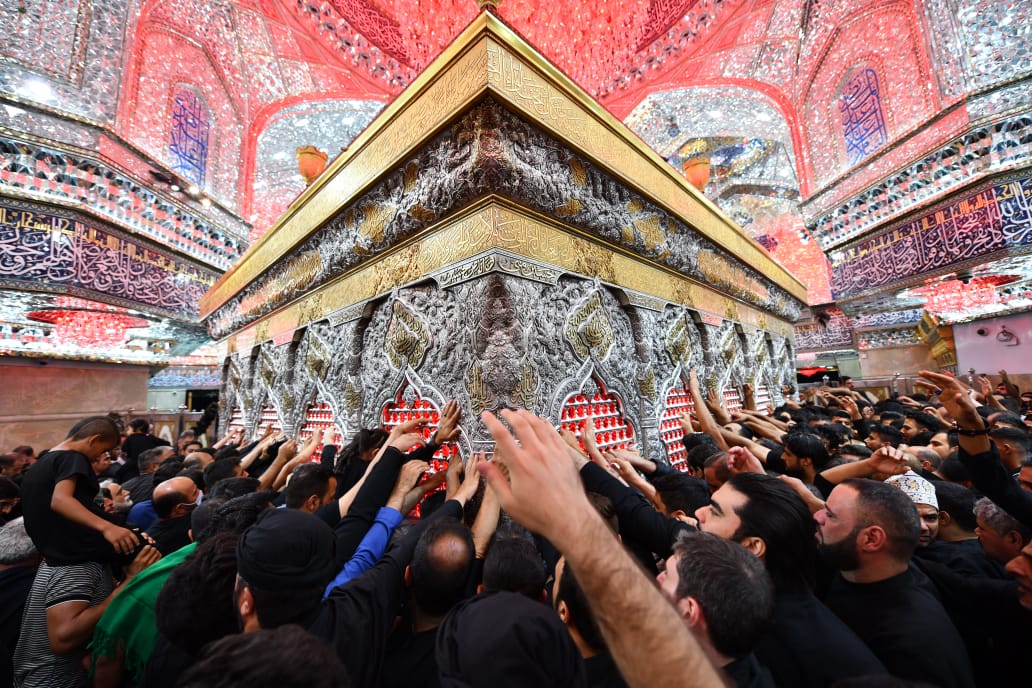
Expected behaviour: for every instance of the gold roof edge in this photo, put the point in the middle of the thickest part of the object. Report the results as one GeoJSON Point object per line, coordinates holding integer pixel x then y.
{"type": "Point", "coordinates": [286, 233]}
{"type": "Point", "coordinates": [464, 42]}
{"type": "Point", "coordinates": [571, 89]}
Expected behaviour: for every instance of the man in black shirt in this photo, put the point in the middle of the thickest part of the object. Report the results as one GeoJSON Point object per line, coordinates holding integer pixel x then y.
{"type": "Point", "coordinates": [957, 545]}
{"type": "Point", "coordinates": [726, 598]}
{"type": "Point", "coordinates": [805, 645]}
{"type": "Point", "coordinates": [287, 558]}
{"type": "Point", "coordinates": [312, 488]}
{"type": "Point", "coordinates": [868, 531]}
{"type": "Point", "coordinates": [572, 607]}
{"type": "Point", "coordinates": [438, 580]}
{"type": "Point", "coordinates": [136, 442]}
{"type": "Point", "coordinates": [174, 500]}
{"type": "Point", "coordinates": [141, 488]}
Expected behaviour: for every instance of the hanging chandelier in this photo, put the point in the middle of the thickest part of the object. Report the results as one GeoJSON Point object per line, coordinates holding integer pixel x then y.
{"type": "Point", "coordinates": [88, 329]}
{"type": "Point", "coordinates": [960, 296]}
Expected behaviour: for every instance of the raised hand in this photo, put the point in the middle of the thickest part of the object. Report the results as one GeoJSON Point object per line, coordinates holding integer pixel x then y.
{"type": "Point", "coordinates": [955, 399]}
{"type": "Point", "coordinates": [409, 474]}
{"type": "Point", "coordinates": [622, 466]}
{"type": "Point", "coordinates": [403, 485]}
{"type": "Point", "coordinates": [409, 426]}
{"type": "Point", "coordinates": [588, 440]}
{"type": "Point", "coordinates": [986, 386]}
{"type": "Point", "coordinates": [634, 457]}
{"type": "Point", "coordinates": [470, 478]}
{"type": "Point", "coordinates": [888, 460]}
{"type": "Point", "coordinates": [448, 429]}
{"type": "Point", "coordinates": [287, 450]}
{"type": "Point", "coordinates": [416, 494]}
{"type": "Point", "coordinates": [686, 422]}
{"type": "Point", "coordinates": [544, 487]}
{"type": "Point", "coordinates": [406, 441]}
{"type": "Point", "coordinates": [453, 476]}
{"type": "Point", "coordinates": [573, 448]}
{"type": "Point", "coordinates": [327, 435]}
{"type": "Point", "coordinates": [741, 460]}
{"type": "Point", "coordinates": [716, 405]}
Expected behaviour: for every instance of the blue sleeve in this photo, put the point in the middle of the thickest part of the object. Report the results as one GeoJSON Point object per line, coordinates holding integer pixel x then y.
{"type": "Point", "coordinates": [370, 549]}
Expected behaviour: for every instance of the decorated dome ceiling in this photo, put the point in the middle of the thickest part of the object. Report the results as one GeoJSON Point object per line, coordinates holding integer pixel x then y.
{"type": "Point", "coordinates": [823, 122]}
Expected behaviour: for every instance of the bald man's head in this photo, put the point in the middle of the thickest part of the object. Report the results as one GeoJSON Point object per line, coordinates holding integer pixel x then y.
{"type": "Point", "coordinates": [175, 497]}
{"type": "Point", "coordinates": [199, 459]}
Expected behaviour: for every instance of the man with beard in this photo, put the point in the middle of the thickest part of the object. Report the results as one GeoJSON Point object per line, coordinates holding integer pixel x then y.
{"type": "Point", "coordinates": [805, 456]}
{"type": "Point", "coordinates": [868, 531]}
{"type": "Point", "coordinates": [806, 645]}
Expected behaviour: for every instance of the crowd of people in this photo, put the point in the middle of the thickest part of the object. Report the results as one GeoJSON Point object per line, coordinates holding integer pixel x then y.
{"type": "Point", "coordinates": [836, 540]}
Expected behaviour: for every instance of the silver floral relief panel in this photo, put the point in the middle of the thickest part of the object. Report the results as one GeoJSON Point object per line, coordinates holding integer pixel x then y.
{"type": "Point", "coordinates": [498, 341]}
{"type": "Point", "coordinates": [231, 394]}
{"type": "Point", "coordinates": [490, 150]}
{"type": "Point", "coordinates": [269, 384]}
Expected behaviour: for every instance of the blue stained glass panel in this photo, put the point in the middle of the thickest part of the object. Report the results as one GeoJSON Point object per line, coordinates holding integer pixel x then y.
{"type": "Point", "coordinates": [863, 123]}
{"type": "Point", "coordinates": [188, 145]}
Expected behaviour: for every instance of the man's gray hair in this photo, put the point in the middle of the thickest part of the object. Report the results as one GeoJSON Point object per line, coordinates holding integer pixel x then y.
{"type": "Point", "coordinates": [15, 544]}
{"type": "Point", "coordinates": [925, 454]}
{"type": "Point", "coordinates": [149, 458]}
{"type": "Point", "coordinates": [999, 520]}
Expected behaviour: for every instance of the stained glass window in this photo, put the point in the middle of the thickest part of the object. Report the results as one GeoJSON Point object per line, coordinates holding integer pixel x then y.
{"type": "Point", "coordinates": [863, 123]}
{"type": "Point", "coordinates": [188, 145]}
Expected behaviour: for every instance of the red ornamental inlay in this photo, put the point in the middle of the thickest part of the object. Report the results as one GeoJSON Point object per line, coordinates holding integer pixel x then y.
{"type": "Point", "coordinates": [399, 411]}
{"type": "Point", "coordinates": [612, 431]}
{"type": "Point", "coordinates": [678, 401]}
{"type": "Point", "coordinates": [319, 418]}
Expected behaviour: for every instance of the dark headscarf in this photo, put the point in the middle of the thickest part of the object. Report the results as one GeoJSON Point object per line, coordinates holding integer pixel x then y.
{"type": "Point", "coordinates": [506, 640]}
{"type": "Point", "coordinates": [286, 549]}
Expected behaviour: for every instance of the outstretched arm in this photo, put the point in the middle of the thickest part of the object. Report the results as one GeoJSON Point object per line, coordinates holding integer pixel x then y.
{"type": "Point", "coordinates": [542, 491]}
{"type": "Point", "coordinates": [1012, 389]}
{"type": "Point", "coordinates": [988, 398]}
{"type": "Point", "coordinates": [977, 453]}
{"type": "Point", "coordinates": [63, 502]}
{"type": "Point", "coordinates": [887, 460]}
{"type": "Point", "coordinates": [702, 412]}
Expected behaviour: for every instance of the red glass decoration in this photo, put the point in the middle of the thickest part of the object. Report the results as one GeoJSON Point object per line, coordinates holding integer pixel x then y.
{"type": "Point", "coordinates": [732, 399]}
{"type": "Point", "coordinates": [761, 396]}
{"type": "Point", "coordinates": [678, 401]}
{"type": "Point", "coordinates": [612, 431]}
{"type": "Point", "coordinates": [319, 417]}
{"type": "Point", "coordinates": [89, 328]}
{"type": "Point", "coordinates": [398, 411]}
{"type": "Point", "coordinates": [269, 418]}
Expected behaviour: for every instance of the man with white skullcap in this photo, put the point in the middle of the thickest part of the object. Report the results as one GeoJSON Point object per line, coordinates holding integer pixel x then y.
{"type": "Point", "coordinates": [922, 494]}
{"type": "Point", "coordinates": [868, 531]}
